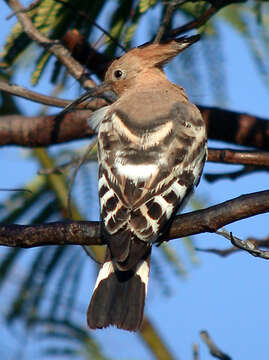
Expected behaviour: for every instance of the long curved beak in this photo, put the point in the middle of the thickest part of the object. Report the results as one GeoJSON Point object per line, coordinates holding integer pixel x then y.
{"type": "Point", "coordinates": [91, 93]}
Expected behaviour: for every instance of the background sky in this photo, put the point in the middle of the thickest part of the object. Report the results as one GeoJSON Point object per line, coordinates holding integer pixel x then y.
{"type": "Point", "coordinates": [226, 296]}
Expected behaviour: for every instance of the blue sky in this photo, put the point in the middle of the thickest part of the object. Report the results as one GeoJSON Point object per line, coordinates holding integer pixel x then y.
{"type": "Point", "coordinates": [226, 296]}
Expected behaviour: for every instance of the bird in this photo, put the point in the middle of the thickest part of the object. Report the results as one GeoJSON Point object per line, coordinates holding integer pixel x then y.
{"type": "Point", "coordinates": [152, 146]}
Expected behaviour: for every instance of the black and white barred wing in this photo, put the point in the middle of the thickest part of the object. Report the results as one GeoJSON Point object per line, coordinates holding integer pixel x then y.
{"type": "Point", "coordinates": [147, 172]}
{"type": "Point", "coordinates": [182, 154]}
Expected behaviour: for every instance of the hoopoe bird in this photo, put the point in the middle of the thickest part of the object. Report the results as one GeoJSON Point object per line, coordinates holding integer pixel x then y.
{"type": "Point", "coordinates": [152, 147]}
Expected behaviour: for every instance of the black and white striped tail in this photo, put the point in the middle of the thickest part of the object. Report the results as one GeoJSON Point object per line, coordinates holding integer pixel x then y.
{"type": "Point", "coordinates": [119, 296]}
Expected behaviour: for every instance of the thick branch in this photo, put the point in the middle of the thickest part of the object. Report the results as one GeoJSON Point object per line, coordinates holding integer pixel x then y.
{"type": "Point", "coordinates": [57, 233]}
{"type": "Point", "coordinates": [34, 131]}
{"type": "Point", "coordinates": [222, 125]}
{"type": "Point", "coordinates": [88, 233]}
{"type": "Point", "coordinates": [236, 128]}
{"type": "Point", "coordinates": [213, 218]}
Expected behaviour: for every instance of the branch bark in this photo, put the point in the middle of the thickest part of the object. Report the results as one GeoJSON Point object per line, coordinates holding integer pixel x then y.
{"type": "Point", "coordinates": [230, 156]}
{"type": "Point", "coordinates": [236, 128]}
{"type": "Point", "coordinates": [34, 131]}
{"type": "Point", "coordinates": [88, 233]}
{"type": "Point", "coordinates": [223, 125]}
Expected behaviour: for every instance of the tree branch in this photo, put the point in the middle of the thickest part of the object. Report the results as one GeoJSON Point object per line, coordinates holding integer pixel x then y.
{"type": "Point", "coordinates": [57, 233]}
{"type": "Point", "coordinates": [223, 125]}
{"type": "Point", "coordinates": [230, 156]}
{"type": "Point", "coordinates": [170, 8]}
{"type": "Point", "coordinates": [257, 243]}
{"type": "Point", "coordinates": [32, 95]}
{"type": "Point", "coordinates": [201, 20]}
{"type": "Point", "coordinates": [237, 128]}
{"type": "Point", "coordinates": [247, 245]}
{"type": "Point", "coordinates": [233, 175]}
{"type": "Point", "coordinates": [194, 24]}
{"type": "Point", "coordinates": [34, 131]}
{"type": "Point", "coordinates": [24, 93]}
{"type": "Point", "coordinates": [54, 47]}
{"type": "Point", "coordinates": [88, 233]}
{"type": "Point", "coordinates": [214, 217]}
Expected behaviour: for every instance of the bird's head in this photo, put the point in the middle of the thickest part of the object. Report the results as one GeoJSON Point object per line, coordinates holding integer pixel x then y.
{"type": "Point", "coordinates": [123, 71]}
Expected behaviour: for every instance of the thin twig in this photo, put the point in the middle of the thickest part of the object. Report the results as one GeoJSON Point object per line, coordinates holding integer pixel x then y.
{"type": "Point", "coordinates": [23, 190]}
{"type": "Point", "coordinates": [203, 19]}
{"type": "Point", "coordinates": [247, 245]}
{"type": "Point", "coordinates": [60, 168]}
{"type": "Point", "coordinates": [167, 18]}
{"type": "Point", "coordinates": [32, 95]}
{"type": "Point", "coordinates": [80, 163]}
{"type": "Point", "coordinates": [235, 174]}
{"type": "Point", "coordinates": [262, 243]}
{"type": "Point", "coordinates": [220, 252]}
{"type": "Point", "coordinates": [214, 350]}
{"type": "Point", "coordinates": [194, 24]}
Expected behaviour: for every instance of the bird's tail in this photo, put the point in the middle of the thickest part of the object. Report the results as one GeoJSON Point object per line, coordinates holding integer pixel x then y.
{"type": "Point", "coordinates": [119, 296]}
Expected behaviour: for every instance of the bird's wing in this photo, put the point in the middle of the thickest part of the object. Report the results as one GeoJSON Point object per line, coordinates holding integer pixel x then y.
{"type": "Point", "coordinates": [147, 171]}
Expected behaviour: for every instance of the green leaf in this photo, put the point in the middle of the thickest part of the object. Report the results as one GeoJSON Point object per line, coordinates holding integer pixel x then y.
{"type": "Point", "coordinates": [144, 5]}
{"type": "Point", "coordinates": [41, 63]}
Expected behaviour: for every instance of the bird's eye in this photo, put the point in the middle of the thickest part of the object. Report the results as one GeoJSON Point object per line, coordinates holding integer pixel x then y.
{"type": "Point", "coordinates": [118, 74]}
